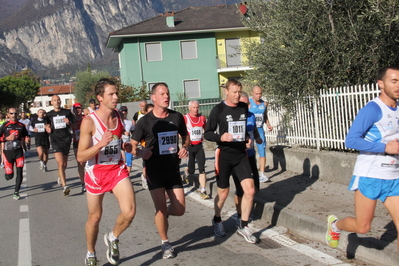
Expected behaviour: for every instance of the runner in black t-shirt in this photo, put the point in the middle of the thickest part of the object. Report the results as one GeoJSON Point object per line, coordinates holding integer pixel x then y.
{"type": "Point", "coordinates": [61, 121]}
{"type": "Point", "coordinates": [13, 134]}
{"type": "Point", "coordinates": [160, 130]}
{"type": "Point", "coordinates": [42, 141]}
{"type": "Point", "coordinates": [227, 127]}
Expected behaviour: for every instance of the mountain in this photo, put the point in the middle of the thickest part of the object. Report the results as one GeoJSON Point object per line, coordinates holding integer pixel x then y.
{"type": "Point", "coordinates": [58, 36]}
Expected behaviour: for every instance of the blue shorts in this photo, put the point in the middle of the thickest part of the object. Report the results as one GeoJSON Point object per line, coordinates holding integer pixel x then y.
{"type": "Point", "coordinates": [374, 188]}
{"type": "Point", "coordinates": [129, 159]}
{"type": "Point", "coordinates": [261, 147]}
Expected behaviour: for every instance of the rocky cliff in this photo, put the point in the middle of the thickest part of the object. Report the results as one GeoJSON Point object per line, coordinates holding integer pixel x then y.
{"type": "Point", "coordinates": [52, 33]}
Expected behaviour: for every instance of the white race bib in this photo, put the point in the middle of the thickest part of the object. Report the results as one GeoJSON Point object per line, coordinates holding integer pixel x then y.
{"type": "Point", "coordinates": [196, 134]}
{"type": "Point", "coordinates": [59, 122]}
{"type": "Point", "coordinates": [167, 142]}
{"type": "Point", "coordinates": [40, 127]}
{"type": "Point", "coordinates": [110, 154]}
{"type": "Point", "coordinates": [237, 129]}
{"type": "Point", "coordinates": [259, 120]}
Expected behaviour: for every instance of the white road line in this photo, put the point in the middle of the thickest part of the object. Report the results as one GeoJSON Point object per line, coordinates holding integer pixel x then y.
{"type": "Point", "coordinates": [24, 245]}
{"type": "Point", "coordinates": [24, 248]}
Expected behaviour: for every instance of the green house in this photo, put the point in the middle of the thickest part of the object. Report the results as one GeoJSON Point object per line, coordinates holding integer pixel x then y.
{"type": "Point", "coordinates": [194, 50]}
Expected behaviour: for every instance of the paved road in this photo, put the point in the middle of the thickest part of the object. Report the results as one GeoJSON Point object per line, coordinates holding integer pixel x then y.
{"type": "Point", "coordinates": [46, 228]}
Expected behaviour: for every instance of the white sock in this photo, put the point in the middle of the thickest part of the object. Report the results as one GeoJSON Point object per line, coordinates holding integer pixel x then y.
{"type": "Point", "coordinates": [334, 227]}
{"type": "Point", "coordinates": [165, 241]}
{"type": "Point", "coordinates": [89, 254]}
{"type": "Point", "coordinates": [111, 236]}
{"type": "Point", "coordinates": [203, 190]}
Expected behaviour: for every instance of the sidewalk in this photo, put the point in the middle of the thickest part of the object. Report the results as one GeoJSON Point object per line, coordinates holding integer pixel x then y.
{"type": "Point", "coordinates": [302, 204]}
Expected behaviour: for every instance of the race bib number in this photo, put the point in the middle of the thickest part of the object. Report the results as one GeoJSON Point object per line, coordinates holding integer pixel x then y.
{"type": "Point", "coordinates": [110, 154]}
{"type": "Point", "coordinates": [259, 120]}
{"type": "Point", "coordinates": [40, 127]}
{"type": "Point", "coordinates": [77, 134]}
{"type": "Point", "coordinates": [196, 134]}
{"type": "Point", "coordinates": [59, 122]}
{"type": "Point", "coordinates": [167, 142]}
{"type": "Point", "coordinates": [237, 129]}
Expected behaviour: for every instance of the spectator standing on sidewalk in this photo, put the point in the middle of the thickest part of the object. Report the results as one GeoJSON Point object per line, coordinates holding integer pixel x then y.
{"type": "Point", "coordinates": [195, 123]}
{"type": "Point", "coordinates": [42, 141]}
{"type": "Point", "coordinates": [226, 126]}
{"type": "Point", "coordinates": [100, 146]}
{"type": "Point", "coordinates": [160, 129]}
{"type": "Point", "coordinates": [259, 107]}
{"type": "Point", "coordinates": [375, 133]}
{"type": "Point", "coordinates": [60, 123]}
{"type": "Point", "coordinates": [13, 134]}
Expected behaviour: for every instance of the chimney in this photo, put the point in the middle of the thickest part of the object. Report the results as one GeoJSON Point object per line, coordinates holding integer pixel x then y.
{"type": "Point", "coordinates": [170, 19]}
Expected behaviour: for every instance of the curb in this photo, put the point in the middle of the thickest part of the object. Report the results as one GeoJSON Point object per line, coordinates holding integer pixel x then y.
{"type": "Point", "coordinates": [365, 248]}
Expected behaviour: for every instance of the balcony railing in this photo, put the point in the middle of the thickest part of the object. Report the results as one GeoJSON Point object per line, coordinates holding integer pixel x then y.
{"type": "Point", "coordinates": [231, 61]}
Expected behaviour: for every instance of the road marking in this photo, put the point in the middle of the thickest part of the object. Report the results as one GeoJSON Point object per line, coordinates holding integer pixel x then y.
{"type": "Point", "coordinates": [24, 248]}
{"type": "Point", "coordinates": [24, 245]}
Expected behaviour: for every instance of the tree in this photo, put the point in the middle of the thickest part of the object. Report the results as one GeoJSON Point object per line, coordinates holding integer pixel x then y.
{"type": "Point", "coordinates": [85, 82]}
{"type": "Point", "coordinates": [131, 94]}
{"type": "Point", "coordinates": [309, 45]}
{"type": "Point", "coordinates": [17, 90]}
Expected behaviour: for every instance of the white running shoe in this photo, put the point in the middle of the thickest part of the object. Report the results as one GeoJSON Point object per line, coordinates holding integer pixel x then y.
{"type": "Point", "coordinates": [262, 177]}
{"type": "Point", "coordinates": [41, 165]}
{"type": "Point", "coordinates": [144, 182]}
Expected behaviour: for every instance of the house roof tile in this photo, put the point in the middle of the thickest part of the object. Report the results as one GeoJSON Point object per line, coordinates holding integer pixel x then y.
{"type": "Point", "coordinates": [191, 19]}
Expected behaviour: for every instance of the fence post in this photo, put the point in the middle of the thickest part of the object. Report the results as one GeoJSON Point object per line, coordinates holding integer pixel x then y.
{"type": "Point", "coordinates": [316, 123]}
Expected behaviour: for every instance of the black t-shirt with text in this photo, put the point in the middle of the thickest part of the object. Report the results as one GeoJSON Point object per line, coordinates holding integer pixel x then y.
{"type": "Point", "coordinates": [60, 131]}
{"type": "Point", "coordinates": [40, 124]}
{"type": "Point", "coordinates": [224, 118]}
{"type": "Point", "coordinates": [163, 135]}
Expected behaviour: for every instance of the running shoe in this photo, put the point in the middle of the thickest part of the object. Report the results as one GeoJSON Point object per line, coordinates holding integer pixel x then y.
{"type": "Point", "coordinates": [247, 234]}
{"type": "Point", "coordinates": [113, 250]}
{"type": "Point", "coordinates": [16, 196]}
{"type": "Point", "coordinates": [204, 196]}
{"type": "Point", "coordinates": [44, 168]}
{"type": "Point", "coordinates": [91, 261]}
{"type": "Point", "coordinates": [83, 188]}
{"type": "Point", "coordinates": [332, 238]}
{"type": "Point", "coordinates": [41, 165]}
{"type": "Point", "coordinates": [144, 182]}
{"type": "Point", "coordinates": [185, 178]}
{"type": "Point", "coordinates": [2, 165]}
{"type": "Point", "coordinates": [167, 251]}
{"type": "Point", "coordinates": [26, 154]}
{"type": "Point", "coordinates": [66, 190]}
{"type": "Point", "coordinates": [218, 229]}
{"type": "Point", "coordinates": [262, 177]}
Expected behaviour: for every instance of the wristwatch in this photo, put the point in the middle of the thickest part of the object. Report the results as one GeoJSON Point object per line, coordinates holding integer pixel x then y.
{"type": "Point", "coordinates": [185, 148]}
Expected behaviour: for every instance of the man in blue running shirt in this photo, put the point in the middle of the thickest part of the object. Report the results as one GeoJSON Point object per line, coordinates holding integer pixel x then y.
{"type": "Point", "coordinates": [375, 133]}
{"type": "Point", "coordinates": [259, 107]}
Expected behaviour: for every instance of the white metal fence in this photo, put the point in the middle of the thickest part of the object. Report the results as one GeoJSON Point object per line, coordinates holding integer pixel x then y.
{"type": "Point", "coordinates": [320, 123]}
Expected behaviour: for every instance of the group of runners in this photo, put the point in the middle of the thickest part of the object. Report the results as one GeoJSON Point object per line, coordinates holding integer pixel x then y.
{"type": "Point", "coordinates": [163, 137]}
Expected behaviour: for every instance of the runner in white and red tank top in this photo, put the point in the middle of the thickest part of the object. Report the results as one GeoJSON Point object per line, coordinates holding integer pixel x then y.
{"type": "Point", "coordinates": [100, 146]}
{"type": "Point", "coordinates": [195, 123]}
